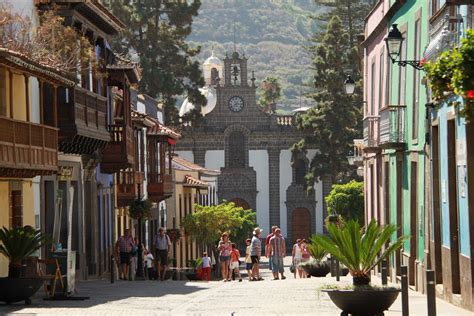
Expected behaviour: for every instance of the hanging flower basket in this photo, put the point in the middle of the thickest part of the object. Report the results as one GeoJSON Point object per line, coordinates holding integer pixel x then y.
{"type": "Point", "coordinates": [140, 209]}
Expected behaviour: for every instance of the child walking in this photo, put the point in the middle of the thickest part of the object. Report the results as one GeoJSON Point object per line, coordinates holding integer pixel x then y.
{"type": "Point", "coordinates": [248, 260]}
{"type": "Point", "coordinates": [206, 267]}
{"type": "Point", "coordinates": [234, 262]}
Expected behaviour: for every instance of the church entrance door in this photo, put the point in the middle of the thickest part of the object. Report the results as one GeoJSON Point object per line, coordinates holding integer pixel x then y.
{"type": "Point", "coordinates": [301, 223]}
{"type": "Point", "coordinates": [241, 202]}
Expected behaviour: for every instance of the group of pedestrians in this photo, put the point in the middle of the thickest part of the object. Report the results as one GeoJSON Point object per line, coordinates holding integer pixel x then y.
{"type": "Point", "coordinates": [300, 254]}
{"type": "Point", "coordinates": [155, 266]}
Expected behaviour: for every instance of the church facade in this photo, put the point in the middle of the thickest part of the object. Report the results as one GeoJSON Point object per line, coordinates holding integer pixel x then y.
{"type": "Point", "coordinates": [251, 148]}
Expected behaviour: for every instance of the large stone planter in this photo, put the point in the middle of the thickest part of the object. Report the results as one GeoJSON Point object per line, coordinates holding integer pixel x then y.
{"type": "Point", "coordinates": [18, 289]}
{"type": "Point", "coordinates": [363, 302]}
{"type": "Point", "coordinates": [316, 269]}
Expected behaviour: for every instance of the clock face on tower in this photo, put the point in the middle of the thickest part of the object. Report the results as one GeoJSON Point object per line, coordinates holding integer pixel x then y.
{"type": "Point", "coordinates": [236, 104]}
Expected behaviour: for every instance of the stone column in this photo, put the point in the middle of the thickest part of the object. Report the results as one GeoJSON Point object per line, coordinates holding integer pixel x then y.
{"type": "Point", "coordinates": [274, 185]}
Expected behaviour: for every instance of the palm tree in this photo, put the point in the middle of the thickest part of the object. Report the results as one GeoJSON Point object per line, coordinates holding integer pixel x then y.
{"type": "Point", "coordinates": [359, 249]}
{"type": "Point", "coordinates": [18, 243]}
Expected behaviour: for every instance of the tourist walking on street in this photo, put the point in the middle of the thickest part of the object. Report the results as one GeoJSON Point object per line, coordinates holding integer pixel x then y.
{"type": "Point", "coordinates": [150, 266]}
{"type": "Point", "coordinates": [267, 247]}
{"type": "Point", "coordinates": [255, 254]}
{"type": "Point", "coordinates": [206, 267]}
{"type": "Point", "coordinates": [234, 262]}
{"type": "Point", "coordinates": [162, 245]}
{"type": "Point", "coordinates": [225, 249]}
{"type": "Point", "coordinates": [296, 256]}
{"type": "Point", "coordinates": [277, 251]}
{"type": "Point", "coordinates": [124, 247]}
{"type": "Point", "coordinates": [133, 260]}
{"type": "Point", "coordinates": [305, 255]}
{"type": "Point", "coordinates": [248, 260]}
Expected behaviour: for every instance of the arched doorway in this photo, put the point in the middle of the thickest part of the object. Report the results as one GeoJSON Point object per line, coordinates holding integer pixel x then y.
{"type": "Point", "coordinates": [301, 223]}
{"type": "Point", "coordinates": [241, 202]}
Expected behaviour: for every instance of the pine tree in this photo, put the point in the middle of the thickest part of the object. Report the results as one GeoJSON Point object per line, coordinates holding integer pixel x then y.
{"type": "Point", "coordinates": [334, 121]}
{"type": "Point", "coordinates": [352, 13]}
{"type": "Point", "coordinates": [157, 32]}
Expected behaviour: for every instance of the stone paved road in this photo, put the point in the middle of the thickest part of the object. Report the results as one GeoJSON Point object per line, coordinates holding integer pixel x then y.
{"type": "Point", "coordinates": [283, 297]}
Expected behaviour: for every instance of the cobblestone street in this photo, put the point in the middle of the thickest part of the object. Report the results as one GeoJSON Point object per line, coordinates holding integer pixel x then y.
{"type": "Point", "coordinates": [284, 297]}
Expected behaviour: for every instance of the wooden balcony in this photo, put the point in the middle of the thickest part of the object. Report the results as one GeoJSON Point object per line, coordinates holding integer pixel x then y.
{"type": "Point", "coordinates": [82, 121]}
{"type": "Point", "coordinates": [371, 134]}
{"type": "Point", "coordinates": [392, 127]}
{"type": "Point", "coordinates": [119, 152]}
{"type": "Point", "coordinates": [27, 149]}
{"type": "Point", "coordinates": [160, 187]}
{"type": "Point", "coordinates": [129, 186]}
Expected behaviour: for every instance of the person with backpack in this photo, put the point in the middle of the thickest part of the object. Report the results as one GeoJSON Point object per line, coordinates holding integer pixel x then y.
{"type": "Point", "coordinates": [124, 247]}
{"type": "Point", "coordinates": [162, 245]}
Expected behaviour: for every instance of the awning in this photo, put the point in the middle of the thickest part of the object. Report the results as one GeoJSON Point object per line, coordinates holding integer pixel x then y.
{"type": "Point", "coordinates": [192, 182]}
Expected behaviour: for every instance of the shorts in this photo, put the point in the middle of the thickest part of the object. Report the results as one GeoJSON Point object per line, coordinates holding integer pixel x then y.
{"type": "Point", "coordinates": [248, 265]}
{"type": "Point", "coordinates": [224, 258]}
{"type": "Point", "coordinates": [234, 265]}
{"type": "Point", "coordinates": [277, 264]}
{"type": "Point", "coordinates": [162, 256]}
{"type": "Point", "coordinates": [254, 259]}
{"type": "Point", "coordinates": [124, 257]}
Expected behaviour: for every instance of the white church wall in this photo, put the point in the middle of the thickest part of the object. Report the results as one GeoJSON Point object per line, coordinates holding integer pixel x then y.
{"type": "Point", "coordinates": [188, 155]}
{"type": "Point", "coordinates": [215, 159]}
{"type": "Point", "coordinates": [258, 159]}
{"type": "Point", "coordinates": [318, 190]}
{"type": "Point", "coordinates": [286, 175]}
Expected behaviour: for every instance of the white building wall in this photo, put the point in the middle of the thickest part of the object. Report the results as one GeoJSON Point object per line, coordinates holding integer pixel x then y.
{"type": "Point", "coordinates": [188, 155]}
{"type": "Point", "coordinates": [318, 190]}
{"type": "Point", "coordinates": [215, 159]}
{"type": "Point", "coordinates": [258, 159]}
{"type": "Point", "coordinates": [286, 175]}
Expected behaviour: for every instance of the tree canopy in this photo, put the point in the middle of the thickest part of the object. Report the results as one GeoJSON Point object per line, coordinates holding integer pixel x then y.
{"type": "Point", "coordinates": [157, 31]}
{"type": "Point", "coordinates": [347, 200]}
{"type": "Point", "coordinates": [334, 121]}
{"type": "Point", "coordinates": [207, 223]}
{"type": "Point", "coordinates": [271, 92]}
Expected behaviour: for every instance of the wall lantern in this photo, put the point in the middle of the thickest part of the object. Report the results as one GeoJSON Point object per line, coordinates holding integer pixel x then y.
{"type": "Point", "coordinates": [394, 42]}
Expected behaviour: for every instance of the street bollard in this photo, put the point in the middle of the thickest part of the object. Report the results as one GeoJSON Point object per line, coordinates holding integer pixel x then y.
{"type": "Point", "coordinates": [384, 272]}
{"type": "Point", "coordinates": [431, 292]}
{"type": "Point", "coordinates": [404, 280]}
{"type": "Point", "coordinates": [338, 272]}
{"type": "Point", "coordinates": [112, 269]}
{"type": "Point", "coordinates": [333, 273]}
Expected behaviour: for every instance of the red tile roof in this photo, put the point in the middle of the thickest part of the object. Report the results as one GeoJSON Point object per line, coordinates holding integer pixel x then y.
{"type": "Point", "coordinates": [194, 183]}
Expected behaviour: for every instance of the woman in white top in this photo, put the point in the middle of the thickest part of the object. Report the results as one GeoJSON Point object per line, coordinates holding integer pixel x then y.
{"type": "Point", "coordinates": [297, 258]}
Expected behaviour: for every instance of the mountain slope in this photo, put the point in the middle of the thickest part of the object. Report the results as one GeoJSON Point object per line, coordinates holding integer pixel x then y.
{"type": "Point", "coordinates": [272, 33]}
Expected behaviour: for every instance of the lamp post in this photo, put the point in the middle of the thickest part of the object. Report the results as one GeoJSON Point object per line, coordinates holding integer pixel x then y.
{"type": "Point", "coordinates": [349, 85]}
{"type": "Point", "coordinates": [394, 42]}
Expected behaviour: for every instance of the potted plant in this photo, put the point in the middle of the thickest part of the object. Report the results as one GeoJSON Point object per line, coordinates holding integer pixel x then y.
{"type": "Point", "coordinates": [317, 267]}
{"type": "Point", "coordinates": [195, 265]}
{"type": "Point", "coordinates": [17, 244]}
{"type": "Point", "coordinates": [360, 250]}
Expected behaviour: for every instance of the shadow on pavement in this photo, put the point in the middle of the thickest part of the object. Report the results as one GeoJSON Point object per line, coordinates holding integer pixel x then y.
{"type": "Point", "coordinates": [102, 292]}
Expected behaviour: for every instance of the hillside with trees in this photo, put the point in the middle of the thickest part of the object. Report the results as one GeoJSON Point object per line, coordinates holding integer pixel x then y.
{"type": "Point", "coordinates": [272, 33]}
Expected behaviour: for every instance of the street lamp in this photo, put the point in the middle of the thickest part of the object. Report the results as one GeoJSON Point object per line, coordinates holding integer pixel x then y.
{"type": "Point", "coordinates": [349, 85]}
{"type": "Point", "coordinates": [394, 42]}
{"type": "Point", "coordinates": [350, 158]}
{"type": "Point", "coordinates": [360, 171]}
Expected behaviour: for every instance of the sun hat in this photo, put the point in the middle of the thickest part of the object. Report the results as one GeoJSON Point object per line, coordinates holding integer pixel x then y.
{"type": "Point", "coordinates": [257, 231]}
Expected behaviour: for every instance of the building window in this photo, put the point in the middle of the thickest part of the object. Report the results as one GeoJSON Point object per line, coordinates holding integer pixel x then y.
{"type": "Point", "coordinates": [16, 209]}
{"type": "Point", "coordinates": [381, 65]}
{"type": "Point", "coordinates": [416, 81]}
{"type": "Point", "coordinates": [300, 171]}
{"type": "Point", "coordinates": [372, 87]}
{"type": "Point", "coordinates": [236, 150]}
{"type": "Point", "coordinates": [3, 92]}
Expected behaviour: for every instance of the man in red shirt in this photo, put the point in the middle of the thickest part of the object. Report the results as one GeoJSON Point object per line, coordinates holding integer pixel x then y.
{"type": "Point", "coordinates": [268, 253]}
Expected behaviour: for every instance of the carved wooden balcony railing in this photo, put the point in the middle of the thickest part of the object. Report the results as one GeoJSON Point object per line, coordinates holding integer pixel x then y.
{"type": "Point", "coordinates": [27, 149]}
{"type": "Point", "coordinates": [160, 186]}
{"type": "Point", "coordinates": [392, 127]}
{"type": "Point", "coordinates": [371, 134]}
{"type": "Point", "coordinates": [129, 186]}
{"type": "Point", "coordinates": [119, 152]}
{"type": "Point", "coordinates": [82, 121]}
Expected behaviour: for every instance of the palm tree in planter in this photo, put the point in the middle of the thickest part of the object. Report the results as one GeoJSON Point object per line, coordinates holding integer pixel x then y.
{"type": "Point", "coordinates": [317, 267]}
{"type": "Point", "coordinates": [360, 250]}
{"type": "Point", "coordinates": [17, 244]}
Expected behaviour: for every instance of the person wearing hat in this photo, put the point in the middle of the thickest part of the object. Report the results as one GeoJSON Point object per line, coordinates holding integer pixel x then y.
{"type": "Point", "coordinates": [255, 253]}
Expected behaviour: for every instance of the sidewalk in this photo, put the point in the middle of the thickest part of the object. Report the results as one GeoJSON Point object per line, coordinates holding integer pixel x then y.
{"type": "Point", "coordinates": [267, 297]}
